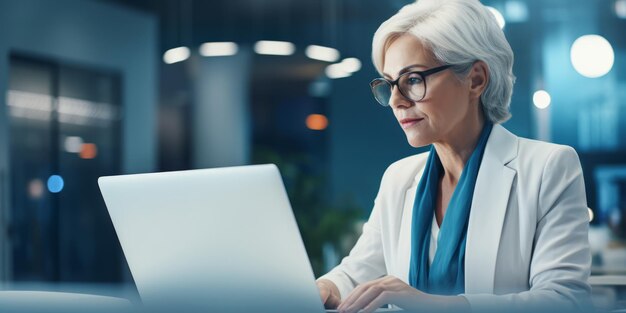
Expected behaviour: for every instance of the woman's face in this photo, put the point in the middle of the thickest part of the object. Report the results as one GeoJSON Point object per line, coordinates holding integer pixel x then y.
{"type": "Point", "coordinates": [446, 104]}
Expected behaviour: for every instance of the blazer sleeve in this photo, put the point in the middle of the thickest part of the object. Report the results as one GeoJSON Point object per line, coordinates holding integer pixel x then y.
{"type": "Point", "coordinates": [365, 261]}
{"type": "Point", "coordinates": [561, 260]}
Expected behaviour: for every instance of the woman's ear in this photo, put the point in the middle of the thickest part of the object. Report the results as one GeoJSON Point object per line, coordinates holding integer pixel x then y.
{"type": "Point", "coordinates": [478, 79]}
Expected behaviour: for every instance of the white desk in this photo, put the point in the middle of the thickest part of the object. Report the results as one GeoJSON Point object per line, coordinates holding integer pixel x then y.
{"type": "Point", "coordinates": [54, 302]}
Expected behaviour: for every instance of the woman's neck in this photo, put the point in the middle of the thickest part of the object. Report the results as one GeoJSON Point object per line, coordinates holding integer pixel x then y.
{"type": "Point", "coordinates": [456, 148]}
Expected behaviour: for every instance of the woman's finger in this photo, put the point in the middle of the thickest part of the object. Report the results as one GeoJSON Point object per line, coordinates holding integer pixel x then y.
{"type": "Point", "coordinates": [382, 299]}
{"type": "Point", "coordinates": [355, 294]}
{"type": "Point", "coordinates": [332, 302]}
{"type": "Point", "coordinates": [365, 299]}
{"type": "Point", "coordinates": [324, 294]}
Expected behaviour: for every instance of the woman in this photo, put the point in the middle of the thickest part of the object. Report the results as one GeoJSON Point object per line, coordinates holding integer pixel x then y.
{"type": "Point", "coordinates": [485, 219]}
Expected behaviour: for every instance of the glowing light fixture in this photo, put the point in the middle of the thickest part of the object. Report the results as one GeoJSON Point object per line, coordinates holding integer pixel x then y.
{"type": "Point", "coordinates": [351, 65]}
{"type": "Point", "coordinates": [73, 144]}
{"type": "Point", "coordinates": [322, 53]}
{"type": "Point", "coordinates": [176, 55]}
{"type": "Point", "coordinates": [88, 151]}
{"type": "Point", "coordinates": [336, 70]}
{"type": "Point", "coordinates": [316, 122]}
{"type": "Point", "coordinates": [592, 56]}
{"type": "Point", "coordinates": [216, 49]}
{"type": "Point", "coordinates": [55, 183]}
{"type": "Point", "coordinates": [319, 88]}
{"type": "Point", "coordinates": [274, 47]}
{"type": "Point", "coordinates": [516, 11]}
{"type": "Point", "coordinates": [499, 17]}
{"type": "Point", "coordinates": [590, 214]}
{"type": "Point", "coordinates": [620, 8]}
{"type": "Point", "coordinates": [541, 99]}
{"type": "Point", "coordinates": [35, 188]}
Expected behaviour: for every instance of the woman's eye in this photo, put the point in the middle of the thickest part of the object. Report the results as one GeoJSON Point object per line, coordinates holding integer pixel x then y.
{"type": "Point", "coordinates": [414, 80]}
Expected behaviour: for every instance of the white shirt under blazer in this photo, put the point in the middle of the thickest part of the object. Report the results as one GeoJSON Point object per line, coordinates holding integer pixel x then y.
{"type": "Point", "coordinates": [527, 238]}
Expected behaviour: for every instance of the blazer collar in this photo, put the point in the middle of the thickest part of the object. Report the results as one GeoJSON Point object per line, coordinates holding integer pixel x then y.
{"type": "Point", "coordinates": [501, 146]}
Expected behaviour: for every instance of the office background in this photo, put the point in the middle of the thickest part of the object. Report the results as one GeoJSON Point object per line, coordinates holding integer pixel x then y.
{"type": "Point", "coordinates": [103, 87]}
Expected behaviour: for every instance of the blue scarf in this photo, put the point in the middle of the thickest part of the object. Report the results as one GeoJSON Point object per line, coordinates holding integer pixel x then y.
{"type": "Point", "coordinates": [446, 274]}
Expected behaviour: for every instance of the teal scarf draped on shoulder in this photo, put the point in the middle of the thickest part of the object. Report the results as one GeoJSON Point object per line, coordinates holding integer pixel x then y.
{"type": "Point", "coordinates": [446, 274]}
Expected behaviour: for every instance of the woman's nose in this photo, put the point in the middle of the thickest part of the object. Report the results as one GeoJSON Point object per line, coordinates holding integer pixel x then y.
{"type": "Point", "coordinates": [396, 99]}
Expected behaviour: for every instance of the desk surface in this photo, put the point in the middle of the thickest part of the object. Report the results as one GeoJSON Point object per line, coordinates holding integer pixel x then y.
{"type": "Point", "coordinates": [607, 280]}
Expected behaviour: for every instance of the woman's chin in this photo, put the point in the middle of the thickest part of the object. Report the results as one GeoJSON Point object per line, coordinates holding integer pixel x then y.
{"type": "Point", "coordinates": [417, 141]}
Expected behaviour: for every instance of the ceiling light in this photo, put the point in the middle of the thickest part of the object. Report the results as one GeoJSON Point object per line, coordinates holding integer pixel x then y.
{"type": "Point", "coordinates": [214, 49]}
{"type": "Point", "coordinates": [592, 56]}
{"type": "Point", "coordinates": [274, 47]}
{"type": "Point", "coordinates": [336, 71]}
{"type": "Point", "coordinates": [541, 99]}
{"type": "Point", "coordinates": [322, 53]}
{"type": "Point", "coordinates": [620, 8]}
{"type": "Point", "coordinates": [516, 11]}
{"type": "Point", "coordinates": [351, 65]}
{"type": "Point", "coordinates": [176, 55]}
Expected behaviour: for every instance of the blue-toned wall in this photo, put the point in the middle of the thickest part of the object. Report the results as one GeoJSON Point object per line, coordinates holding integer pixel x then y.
{"type": "Point", "coordinates": [90, 34]}
{"type": "Point", "coordinates": [364, 136]}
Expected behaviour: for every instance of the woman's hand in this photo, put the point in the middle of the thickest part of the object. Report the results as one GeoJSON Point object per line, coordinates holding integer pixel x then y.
{"type": "Point", "coordinates": [329, 293]}
{"type": "Point", "coordinates": [391, 290]}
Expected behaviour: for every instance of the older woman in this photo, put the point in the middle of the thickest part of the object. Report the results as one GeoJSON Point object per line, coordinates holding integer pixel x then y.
{"type": "Point", "coordinates": [486, 218]}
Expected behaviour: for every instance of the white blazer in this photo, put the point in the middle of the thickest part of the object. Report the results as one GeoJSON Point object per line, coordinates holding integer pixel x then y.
{"type": "Point", "coordinates": [527, 238]}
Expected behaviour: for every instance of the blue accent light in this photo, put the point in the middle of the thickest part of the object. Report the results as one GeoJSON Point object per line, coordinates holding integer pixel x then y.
{"type": "Point", "coordinates": [516, 11]}
{"type": "Point", "coordinates": [55, 183]}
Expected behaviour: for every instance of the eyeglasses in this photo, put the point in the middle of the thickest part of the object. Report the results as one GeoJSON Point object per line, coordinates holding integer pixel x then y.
{"type": "Point", "coordinates": [412, 85]}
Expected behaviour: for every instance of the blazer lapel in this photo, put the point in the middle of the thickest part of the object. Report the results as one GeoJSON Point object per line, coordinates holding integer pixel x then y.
{"type": "Point", "coordinates": [404, 238]}
{"type": "Point", "coordinates": [489, 204]}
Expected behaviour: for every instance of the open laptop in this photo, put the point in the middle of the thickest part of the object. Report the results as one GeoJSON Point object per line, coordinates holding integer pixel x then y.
{"type": "Point", "coordinates": [212, 240]}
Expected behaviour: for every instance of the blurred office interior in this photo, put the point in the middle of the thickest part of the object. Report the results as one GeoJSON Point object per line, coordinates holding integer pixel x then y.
{"type": "Point", "coordinates": [104, 87]}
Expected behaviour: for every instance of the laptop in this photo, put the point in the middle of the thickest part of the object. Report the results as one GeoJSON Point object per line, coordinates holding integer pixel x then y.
{"type": "Point", "coordinates": [212, 240]}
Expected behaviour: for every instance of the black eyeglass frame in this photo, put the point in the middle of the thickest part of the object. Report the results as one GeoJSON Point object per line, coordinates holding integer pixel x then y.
{"type": "Point", "coordinates": [392, 83]}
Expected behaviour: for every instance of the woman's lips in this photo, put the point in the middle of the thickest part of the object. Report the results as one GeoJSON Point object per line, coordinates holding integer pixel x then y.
{"type": "Point", "coordinates": [408, 122]}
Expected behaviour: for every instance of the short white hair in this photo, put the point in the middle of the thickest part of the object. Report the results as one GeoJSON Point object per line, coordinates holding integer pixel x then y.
{"type": "Point", "coordinates": [457, 32]}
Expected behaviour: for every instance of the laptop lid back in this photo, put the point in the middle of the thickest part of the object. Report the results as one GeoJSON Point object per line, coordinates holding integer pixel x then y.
{"type": "Point", "coordinates": [223, 239]}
